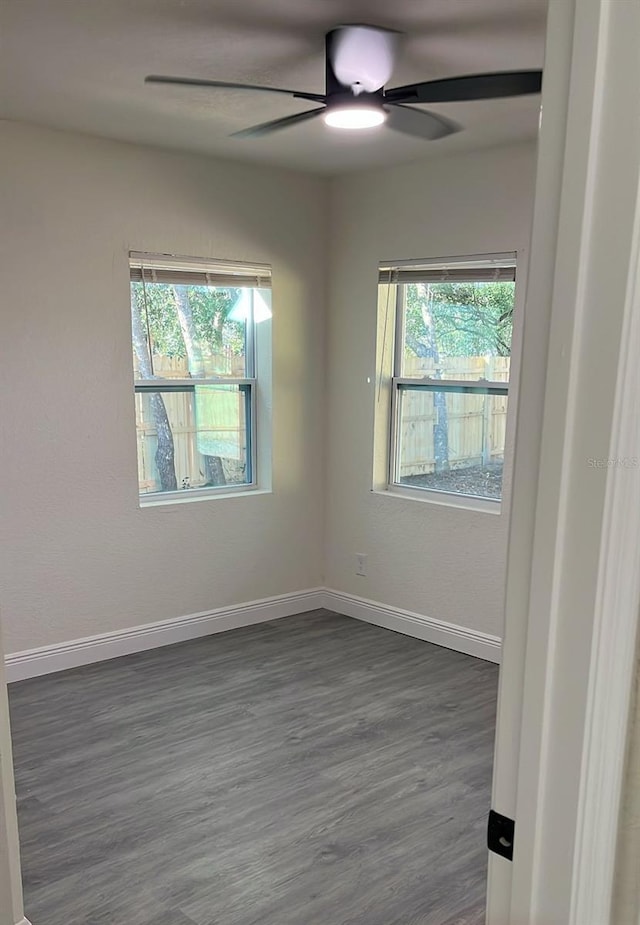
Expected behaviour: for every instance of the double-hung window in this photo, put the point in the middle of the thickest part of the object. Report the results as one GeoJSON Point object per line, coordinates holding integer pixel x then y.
{"type": "Point", "coordinates": [194, 340]}
{"type": "Point", "coordinates": [451, 368]}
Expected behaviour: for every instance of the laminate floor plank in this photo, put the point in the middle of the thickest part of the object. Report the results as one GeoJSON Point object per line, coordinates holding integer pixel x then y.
{"type": "Point", "coordinates": [310, 770]}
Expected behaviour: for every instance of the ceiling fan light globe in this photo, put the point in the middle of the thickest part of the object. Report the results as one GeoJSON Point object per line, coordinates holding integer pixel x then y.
{"type": "Point", "coordinates": [354, 117]}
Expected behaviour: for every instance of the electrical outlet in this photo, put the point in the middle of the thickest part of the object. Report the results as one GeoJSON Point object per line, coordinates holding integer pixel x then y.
{"type": "Point", "coordinates": [361, 564]}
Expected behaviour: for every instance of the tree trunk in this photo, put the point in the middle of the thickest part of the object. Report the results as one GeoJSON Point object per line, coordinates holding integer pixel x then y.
{"type": "Point", "coordinates": [214, 471]}
{"type": "Point", "coordinates": [441, 426]}
{"type": "Point", "coordinates": [441, 432]}
{"type": "Point", "coordinates": [165, 457]}
{"type": "Point", "coordinates": [188, 328]}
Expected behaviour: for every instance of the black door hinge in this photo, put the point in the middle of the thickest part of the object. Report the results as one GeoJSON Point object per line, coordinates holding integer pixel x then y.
{"type": "Point", "coordinates": [500, 832]}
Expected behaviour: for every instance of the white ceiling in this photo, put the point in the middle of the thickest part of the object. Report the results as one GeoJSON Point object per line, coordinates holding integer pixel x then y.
{"type": "Point", "coordinates": [80, 64]}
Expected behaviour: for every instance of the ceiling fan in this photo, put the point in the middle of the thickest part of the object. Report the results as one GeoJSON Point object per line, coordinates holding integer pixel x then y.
{"type": "Point", "coordinates": [359, 62]}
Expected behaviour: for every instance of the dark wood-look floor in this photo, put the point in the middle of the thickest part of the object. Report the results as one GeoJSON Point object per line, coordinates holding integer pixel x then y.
{"type": "Point", "coordinates": [310, 770]}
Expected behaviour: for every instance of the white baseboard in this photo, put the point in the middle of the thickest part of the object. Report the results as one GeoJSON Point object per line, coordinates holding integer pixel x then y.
{"type": "Point", "coordinates": [23, 922]}
{"type": "Point", "coordinates": [34, 662]}
{"type": "Point", "coordinates": [449, 635]}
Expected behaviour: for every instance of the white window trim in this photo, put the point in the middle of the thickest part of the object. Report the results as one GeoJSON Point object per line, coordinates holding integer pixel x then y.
{"type": "Point", "coordinates": [185, 496]}
{"type": "Point", "coordinates": [443, 498]}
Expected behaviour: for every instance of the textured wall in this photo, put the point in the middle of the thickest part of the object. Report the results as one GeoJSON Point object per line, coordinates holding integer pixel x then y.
{"type": "Point", "coordinates": [79, 556]}
{"type": "Point", "coordinates": [82, 557]}
{"type": "Point", "coordinates": [436, 560]}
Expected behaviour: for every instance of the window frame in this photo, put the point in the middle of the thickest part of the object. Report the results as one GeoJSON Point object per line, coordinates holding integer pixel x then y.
{"type": "Point", "coordinates": [248, 384]}
{"type": "Point", "coordinates": [399, 383]}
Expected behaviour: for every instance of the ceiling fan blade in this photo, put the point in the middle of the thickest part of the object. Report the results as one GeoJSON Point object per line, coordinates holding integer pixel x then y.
{"type": "Point", "coordinates": [225, 85]}
{"type": "Point", "coordinates": [266, 128]}
{"type": "Point", "coordinates": [472, 87]}
{"type": "Point", "coordinates": [362, 57]}
{"type": "Point", "coordinates": [419, 123]}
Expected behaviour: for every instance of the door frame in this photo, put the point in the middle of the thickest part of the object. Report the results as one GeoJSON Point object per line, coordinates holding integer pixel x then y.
{"type": "Point", "coordinates": [11, 901]}
{"type": "Point", "coordinates": [573, 579]}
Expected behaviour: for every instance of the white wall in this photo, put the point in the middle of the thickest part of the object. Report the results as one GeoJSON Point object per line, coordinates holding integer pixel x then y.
{"type": "Point", "coordinates": [438, 561]}
{"type": "Point", "coordinates": [79, 556]}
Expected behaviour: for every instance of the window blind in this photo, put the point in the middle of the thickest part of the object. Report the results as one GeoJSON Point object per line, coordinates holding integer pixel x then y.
{"type": "Point", "coordinates": [163, 269]}
{"type": "Point", "coordinates": [399, 275]}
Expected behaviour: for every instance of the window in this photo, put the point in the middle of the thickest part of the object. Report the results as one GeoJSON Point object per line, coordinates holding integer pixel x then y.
{"type": "Point", "coordinates": [450, 380]}
{"type": "Point", "coordinates": [194, 340]}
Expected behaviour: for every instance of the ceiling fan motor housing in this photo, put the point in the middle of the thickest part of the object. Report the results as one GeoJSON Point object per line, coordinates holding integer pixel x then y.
{"type": "Point", "coordinates": [337, 94]}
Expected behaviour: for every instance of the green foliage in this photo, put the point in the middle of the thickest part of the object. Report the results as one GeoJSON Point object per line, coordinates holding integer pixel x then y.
{"type": "Point", "coordinates": [465, 319]}
{"type": "Point", "coordinates": [210, 308]}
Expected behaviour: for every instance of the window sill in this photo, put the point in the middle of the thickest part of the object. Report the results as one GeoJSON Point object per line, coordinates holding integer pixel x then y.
{"type": "Point", "coordinates": [442, 499]}
{"type": "Point", "coordinates": [171, 499]}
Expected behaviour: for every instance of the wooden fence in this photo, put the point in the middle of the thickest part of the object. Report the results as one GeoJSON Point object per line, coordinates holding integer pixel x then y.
{"type": "Point", "coordinates": [476, 424]}
{"type": "Point", "coordinates": [188, 438]}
